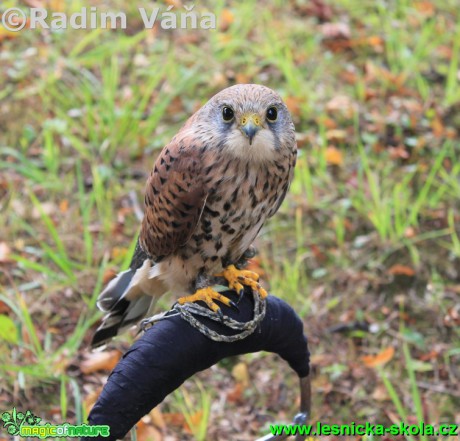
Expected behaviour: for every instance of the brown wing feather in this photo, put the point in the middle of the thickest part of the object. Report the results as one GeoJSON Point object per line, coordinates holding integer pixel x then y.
{"type": "Point", "coordinates": [174, 200]}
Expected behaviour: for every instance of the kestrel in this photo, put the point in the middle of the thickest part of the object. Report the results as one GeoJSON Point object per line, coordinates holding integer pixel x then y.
{"type": "Point", "coordinates": [211, 189]}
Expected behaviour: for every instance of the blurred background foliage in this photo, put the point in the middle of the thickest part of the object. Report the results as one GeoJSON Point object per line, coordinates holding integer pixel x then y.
{"type": "Point", "coordinates": [366, 246]}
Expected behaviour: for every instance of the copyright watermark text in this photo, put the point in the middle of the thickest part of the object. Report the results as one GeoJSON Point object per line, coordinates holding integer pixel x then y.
{"type": "Point", "coordinates": [16, 19]}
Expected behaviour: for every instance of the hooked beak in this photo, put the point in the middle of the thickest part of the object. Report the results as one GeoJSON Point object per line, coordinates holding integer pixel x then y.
{"type": "Point", "coordinates": [250, 125]}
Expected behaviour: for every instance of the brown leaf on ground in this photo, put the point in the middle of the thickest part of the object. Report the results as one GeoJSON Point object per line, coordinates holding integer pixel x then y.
{"type": "Point", "coordinates": [91, 399]}
{"type": "Point", "coordinates": [242, 78]}
{"type": "Point", "coordinates": [36, 3]}
{"type": "Point", "coordinates": [109, 274]}
{"type": "Point", "coordinates": [226, 19]}
{"type": "Point", "coordinates": [375, 41]}
{"type": "Point", "coordinates": [5, 252]}
{"type": "Point", "coordinates": [241, 374]}
{"type": "Point", "coordinates": [380, 393]}
{"type": "Point", "coordinates": [432, 355]}
{"type": "Point", "coordinates": [174, 419]}
{"type": "Point", "coordinates": [398, 152]}
{"type": "Point", "coordinates": [4, 308]}
{"type": "Point", "coordinates": [314, 8]}
{"type": "Point", "coordinates": [380, 359]}
{"type": "Point", "coordinates": [401, 270]}
{"type": "Point", "coordinates": [293, 104]}
{"type": "Point", "coordinates": [335, 30]}
{"type": "Point", "coordinates": [157, 418]}
{"type": "Point", "coordinates": [342, 104]}
{"type": "Point", "coordinates": [437, 126]}
{"type": "Point", "coordinates": [118, 252]}
{"type": "Point", "coordinates": [425, 8]}
{"type": "Point", "coordinates": [336, 135]}
{"type": "Point", "coordinates": [452, 318]}
{"type": "Point", "coordinates": [176, 106]}
{"type": "Point", "coordinates": [236, 394]}
{"type": "Point", "coordinates": [5, 34]}
{"type": "Point", "coordinates": [146, 432]}
{"type": "Point", "coordinates": [320, 256]}
{"type": "Point", "coordinates": [195, 420]}
{"type": "Point", "coordinates": [175, 3]}
{"type": "Point", "coordinates": [100, 361]}
{"type": "Point", "coordinates": [379, 73]}
{"type": "Point", "coordinates": [334, 156]}
{"type": "Point", "coordinates": [409, 232]}
{"type": "Point", "coordinates": [64, 206]}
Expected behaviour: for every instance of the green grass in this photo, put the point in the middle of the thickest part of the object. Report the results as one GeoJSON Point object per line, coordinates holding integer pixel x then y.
{"type": "Point", "coordinates": [83, 115]}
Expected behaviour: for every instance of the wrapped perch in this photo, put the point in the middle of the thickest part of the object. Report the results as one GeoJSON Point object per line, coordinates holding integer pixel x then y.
{"type": "Point", "coordinates": [172, 350]}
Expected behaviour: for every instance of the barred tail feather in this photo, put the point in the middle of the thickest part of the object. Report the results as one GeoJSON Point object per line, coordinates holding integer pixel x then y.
{"type": "Point", "coordinates": [126, 300]}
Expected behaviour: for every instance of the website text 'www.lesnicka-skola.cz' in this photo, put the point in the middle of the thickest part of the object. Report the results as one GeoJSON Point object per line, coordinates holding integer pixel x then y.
{"type": "Point", "coordinates": [353, 429]}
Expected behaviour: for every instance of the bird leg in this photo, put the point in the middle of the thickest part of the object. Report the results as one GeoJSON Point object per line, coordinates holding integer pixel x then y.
{"type": "Point", "coordinates": [208, 296]}
{"type": "Point", "coordinates": [237, 279]}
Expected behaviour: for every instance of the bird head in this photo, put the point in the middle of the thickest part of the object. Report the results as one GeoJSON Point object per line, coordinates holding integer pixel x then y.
{"type": "Point", "coordinates": [248, 121]}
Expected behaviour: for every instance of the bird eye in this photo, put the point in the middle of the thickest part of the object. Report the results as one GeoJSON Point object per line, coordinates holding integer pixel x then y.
{"type": "Point", "coordinates": [227, 114]}
{"type": "Point", "coordinates": [272, 114]}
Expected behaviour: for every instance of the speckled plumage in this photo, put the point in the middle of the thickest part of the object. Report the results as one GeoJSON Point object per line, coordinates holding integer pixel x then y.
{"type": "Point", "coordinates": [209, 194]}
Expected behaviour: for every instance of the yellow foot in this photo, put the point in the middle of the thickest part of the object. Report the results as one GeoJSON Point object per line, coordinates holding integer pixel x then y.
{"type": "Point", "coordinates": [237, 279]}
{"type": "Point", "coordinates": [208, 295]}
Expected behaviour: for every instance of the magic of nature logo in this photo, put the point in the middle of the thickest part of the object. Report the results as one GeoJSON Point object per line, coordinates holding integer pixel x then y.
{"type": "Point", "coordinates": [13, 421]}
{"type": "Point", "coordinates": [26, 424]}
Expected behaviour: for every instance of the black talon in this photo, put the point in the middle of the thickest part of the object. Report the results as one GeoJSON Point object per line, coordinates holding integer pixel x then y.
{"type": "Point", "coordinates": [240, 295]}
{"type": "Point", "coordinates": [234, 305]}
{"type": "Point", "coordinates": [220, 314]}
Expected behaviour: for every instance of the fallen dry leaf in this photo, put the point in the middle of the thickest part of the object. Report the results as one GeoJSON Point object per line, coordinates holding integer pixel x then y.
{"type": "Point", "coordinates": [118, 252]}
{"type": "Point", "coordinates": [452, 318]}
{"type": "Point", "coordinates": [35, 3]}
{"type": "Point", "coordinates": [432, 355]}
{"type": "Point", "coordinates": [314, 8]}
{"type": "Point", "coordinates": [236, 394]}
{"type": "Point", "coordinates": [6, 34]}
{"type": "Point", "coordinates": [242, 78]}
{"type": "Point", "coordinates": [5, 252]}
{"type": "Point", "coordinates": [437, 126]}
{"type": "Point", "coordinates": [398, 152]}
{"type": "Point", "coordinates": [146, 432]}
{"type": "Point", "coordinates": [91, 399]}
{"type": "Point", "coordinates": [4, 308]}
{"type": "Point", "coordinates": [380, 393]}
{"type": "Point", "coordinates": [334, 156]}
{"type": "Point", "coordinates": [157, 418]}
{"type": "Point", "coordinates": [100, 361]}
{"type": "Point", "coordinates": [174, 419]}
{"type": "Point", "coordinates": [226, 19]}
{"type": "Point", "coordinates": [335, 30]}
{"type": "Point", "coordinates": [375, 40]}
{"type": "Point", "coordinates": [336, 135]}
{"type": "Point", "coordinates": [380, 359]}
{"type": "Point", "coordinates": [109, 274]}
{"type": "Point", "coordinates": [175, 3]}
{"type": "Point", "coordinates": [64, 205]}
{"type": "Point", "coordinates": [293, 104]}
{"type": "Point", "coordinates": [327, 122]}
{"type": "Point", "coordinates": [410, 232]}
{"type": "Point", "coordinates": [195, 420]}
{"type": "Point", "coordinates": [343, 104]}
{"type": "Point", "coordinates": [241, 374]}
{"type": "Point", "coordinates": [401, 270]}
{"type": "Point", "coordinates": [425, 8]}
